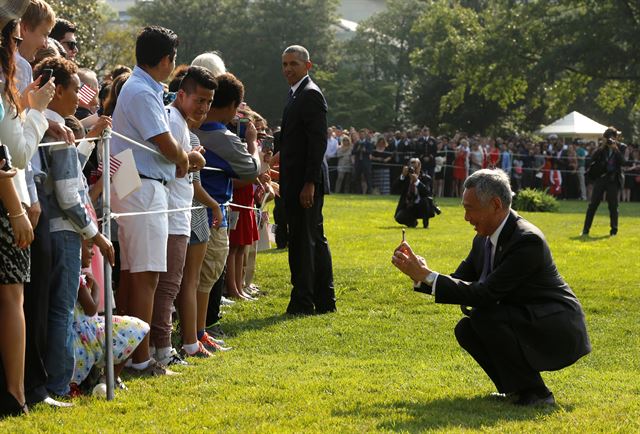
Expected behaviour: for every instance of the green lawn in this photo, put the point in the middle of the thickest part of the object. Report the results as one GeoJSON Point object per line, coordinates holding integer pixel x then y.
{"type": "Point", "coordinates": [388, 360]}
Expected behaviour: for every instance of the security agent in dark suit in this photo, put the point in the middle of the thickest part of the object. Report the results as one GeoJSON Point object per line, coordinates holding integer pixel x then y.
{"type": "Point", "coordinates": [606, 172]}
{"type": "Point", "coordinates": [415, 201]}
{"type": "Point", "coordinates": [524, 318]}
{"type": "Point", "coordinates": [303, 142]}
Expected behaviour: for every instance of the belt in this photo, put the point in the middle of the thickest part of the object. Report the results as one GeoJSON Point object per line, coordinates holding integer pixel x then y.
{"type": "Point", "coordinates": [161, 181]}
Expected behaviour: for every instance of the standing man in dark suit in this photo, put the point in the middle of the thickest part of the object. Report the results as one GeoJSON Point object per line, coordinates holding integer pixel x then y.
{"type": "Point", "coordinates": [524, 318]}
{"type": "Point", "coordinates": [606, 174]}
{"type": "Point", "coordinates": [303, 141]}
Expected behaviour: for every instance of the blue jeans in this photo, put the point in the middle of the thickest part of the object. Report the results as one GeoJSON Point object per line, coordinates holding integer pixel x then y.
{"type": "Point", "coordinates": [65, 279]}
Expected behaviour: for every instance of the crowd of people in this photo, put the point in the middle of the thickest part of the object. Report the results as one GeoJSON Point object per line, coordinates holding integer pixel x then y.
{"type": "Point", "coordinates": [185, 241]}
{"type": "Point", "coordinates": [368, 162]}
{"type": "Point", "coordinates": [198, 148]}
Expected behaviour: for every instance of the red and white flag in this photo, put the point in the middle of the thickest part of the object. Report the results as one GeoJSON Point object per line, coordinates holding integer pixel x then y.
{"type": "Point", "coordinates": [114, 165]}
{"type": "Point", "coordinates": [86, 94]}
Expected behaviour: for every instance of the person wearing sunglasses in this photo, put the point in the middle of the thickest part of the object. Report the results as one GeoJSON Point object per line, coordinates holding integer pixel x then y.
{"type": "Point", "coordinates": [64, 32]}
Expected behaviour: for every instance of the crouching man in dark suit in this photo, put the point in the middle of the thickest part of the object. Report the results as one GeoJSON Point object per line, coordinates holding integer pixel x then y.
{"type": "Point", "coordinates": [415, 201]}
{"type": "Point", "coordinates": [524, 318]}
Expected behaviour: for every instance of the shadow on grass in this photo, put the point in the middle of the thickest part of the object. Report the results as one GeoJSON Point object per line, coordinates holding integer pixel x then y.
{"type": "Point", "coordinates": [273, 251]}
{"type": "Point", "coordinates": [588, 238]}
{"type": "Point", "coordinates": [471, 413]}
{"type": "Point", "coordinates": [235, 328]}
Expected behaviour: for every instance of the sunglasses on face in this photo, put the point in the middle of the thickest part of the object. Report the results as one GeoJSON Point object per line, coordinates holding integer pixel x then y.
{"type": "Point", "coordinates": [73, 45]}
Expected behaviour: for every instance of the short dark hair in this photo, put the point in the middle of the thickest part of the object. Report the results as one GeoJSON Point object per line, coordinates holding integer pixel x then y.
{"type": "Point", "coordinates": [114, 91]}
{"type": "Point", "coordinates": [61, 28]}
{"type": "Point", "coordinates": [230, 91]}
{"type": "Point", "coordinates": [63, 69]}
{"type": "Point", "coordinates": [75, 125]}
{"type": "Point", "coordinates": [154, 43]}
{"type": "Point", "coordinates": [198, 76]}
{"type": "Point", "coordinates": [119, 69]}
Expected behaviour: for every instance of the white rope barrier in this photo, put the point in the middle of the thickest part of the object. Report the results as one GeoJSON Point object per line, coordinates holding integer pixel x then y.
{"type": "Point", "coordinates": [153, 151]}
{"type": "Point", "coordinates": [89, 139]}
{"type": "Point", "coordinates": [115, 215]}
{"type": "Point", "coordinates": [133, 142]}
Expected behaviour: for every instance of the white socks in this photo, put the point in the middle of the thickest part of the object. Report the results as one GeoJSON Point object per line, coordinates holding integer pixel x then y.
{"type": "Point", "coordinates": [141, 366]}
{"type": "Point", "coordinates": [191, 348]}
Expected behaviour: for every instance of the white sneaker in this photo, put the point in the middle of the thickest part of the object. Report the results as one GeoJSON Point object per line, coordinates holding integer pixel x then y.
{"type": "Point", "coordinates": [173, 358]}
{"type": "Point", "coordinates": [226, 301]}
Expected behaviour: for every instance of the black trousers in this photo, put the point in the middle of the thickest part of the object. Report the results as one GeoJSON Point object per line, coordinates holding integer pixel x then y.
{"type": "Point", "coordinates": [36, 306]}
{"type": "Point", "coordinates": [495, 347]}
{"type": "Point", "coordinates": [600, 186]}
{"type": "Point", "coordinates": [362, 169]}
{"type": "Point", "coordinates": [409, 216]}
{"type": "Point", "coordinates": [280, 219]}
{"type": "Point", "coordinates": [213, 309]}
{"type": "Point", "coordinates": [309, 258]}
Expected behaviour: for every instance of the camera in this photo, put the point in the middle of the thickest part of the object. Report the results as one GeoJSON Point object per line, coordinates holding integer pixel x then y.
{"type": "Point", "coordinates": [267, 144]}
{"type": "Point", "coordinates": [412, 171]}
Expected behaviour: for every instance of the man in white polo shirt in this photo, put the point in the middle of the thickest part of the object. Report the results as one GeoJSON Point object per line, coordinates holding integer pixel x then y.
{"type": "Point", "coordinates": [141, 116]}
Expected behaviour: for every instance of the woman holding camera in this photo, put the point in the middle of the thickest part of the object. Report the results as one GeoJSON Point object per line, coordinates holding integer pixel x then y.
{"type": "Point", "coordinates": [606, 172]}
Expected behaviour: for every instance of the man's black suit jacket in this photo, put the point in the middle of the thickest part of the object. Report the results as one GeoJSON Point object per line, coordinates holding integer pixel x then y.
{"type": "Point", "coordinates": [601, 157]}
{"type": "Point", "coordinates": [303, 140]}
{"type": "Point", "coordinates": [524, 289]}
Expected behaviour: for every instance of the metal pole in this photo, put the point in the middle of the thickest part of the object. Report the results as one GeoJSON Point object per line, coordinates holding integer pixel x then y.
{"type": "Point", "coordinates": [108, 291]}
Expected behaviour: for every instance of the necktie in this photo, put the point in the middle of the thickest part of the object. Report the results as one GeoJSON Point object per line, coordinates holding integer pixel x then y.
{"type": "Point", "coordinates": [290, 98]}
{"type": "Point", "coordinates": [486, 267]}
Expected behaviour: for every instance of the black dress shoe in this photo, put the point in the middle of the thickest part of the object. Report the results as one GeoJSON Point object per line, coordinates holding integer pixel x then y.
{"type": "Point", "coordinates": [12, 407]}
{"type": "Point", "coordinates": [293, 312]}
{"type": "Point", "coordinates": [532, 399]}
{"type": "Point", "coordinates": [322, 311]}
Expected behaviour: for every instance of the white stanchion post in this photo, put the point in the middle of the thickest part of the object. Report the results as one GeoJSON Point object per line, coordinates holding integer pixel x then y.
{"type": "Point", "coordinates": [108, 291]}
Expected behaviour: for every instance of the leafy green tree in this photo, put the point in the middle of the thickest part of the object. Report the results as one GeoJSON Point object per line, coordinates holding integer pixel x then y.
{"type": "Point", "coordinates": [373, 70]}
{"type": "Point", "coordinates": [536, 60]}
{"type": "Point", "coordinates": [89, 16]}
{"type": "Point", "coordinates": [250, 35]}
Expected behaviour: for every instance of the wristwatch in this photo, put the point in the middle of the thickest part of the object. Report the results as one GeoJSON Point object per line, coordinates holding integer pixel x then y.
{"type": "Point", "coordinates": [431, 278]}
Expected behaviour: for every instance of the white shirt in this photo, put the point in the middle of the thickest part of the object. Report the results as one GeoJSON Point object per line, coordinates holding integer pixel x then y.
{"type": "Point", "coordinates": [297, 85]}
{"type": "Point", "coordinates": [332, 147]}
{"type": "Point", "coordinates": [180, 189]}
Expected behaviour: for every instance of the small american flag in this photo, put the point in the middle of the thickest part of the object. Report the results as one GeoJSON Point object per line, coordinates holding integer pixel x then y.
{"type": "Point", "coordinates": [86, 94]}
{"type": "Point", "coordinates": [114, 165]}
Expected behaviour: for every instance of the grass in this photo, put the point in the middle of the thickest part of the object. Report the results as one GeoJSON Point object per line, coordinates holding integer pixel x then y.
{"type": "Point", "coordinates": [388, 360]}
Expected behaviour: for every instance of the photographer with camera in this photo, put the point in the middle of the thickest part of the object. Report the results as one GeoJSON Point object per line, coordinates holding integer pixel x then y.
{"type": "Point", "coordinates": [416, 201]}
{"type": "Point", "coordinates": [605, 171]}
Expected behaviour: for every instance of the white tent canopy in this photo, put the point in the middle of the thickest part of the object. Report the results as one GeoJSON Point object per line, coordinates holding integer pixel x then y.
{"type": "Point", "coordinates": [575, 125]}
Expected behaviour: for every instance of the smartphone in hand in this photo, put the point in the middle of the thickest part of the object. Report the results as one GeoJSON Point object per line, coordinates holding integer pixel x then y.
{"type": "Point", "coordinates": [45, 76]}
{"type": "Point", "coordinates": [4, 155]}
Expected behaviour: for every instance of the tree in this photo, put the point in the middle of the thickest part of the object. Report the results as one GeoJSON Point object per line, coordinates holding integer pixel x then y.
{"type": "Point", "coordinates": [372, 71]}
{"type": "Point", "coordinates": [250, 35]}
{"type": "Point", "coordinates": [117, 47]}
{"type": "Point", "coordinates": [88, 16]}
{"type": "Point", "coordinates": [534, 59]}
